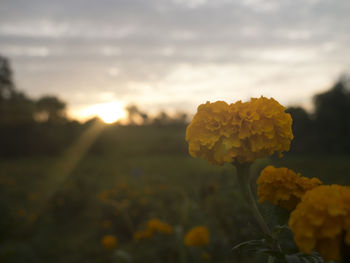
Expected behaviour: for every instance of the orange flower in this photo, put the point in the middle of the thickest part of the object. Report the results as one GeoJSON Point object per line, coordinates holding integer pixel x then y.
{"type": "Point", "coordinates": [158, 226]}
{"type": "Point", "coordinates": [283, 187]}
{"type": "Point", "coordinates": [109, 242]}
{"type": "Point", "coordinates": [321, 220]}
{"type": "Point", "coordinates": [197, 236]}
{"type": "Point", "coordinates": [143, 234]}
{"type": "Point", "coordinates": [241, 132]}
{"type": "Point", "coordinates": [153, 226]}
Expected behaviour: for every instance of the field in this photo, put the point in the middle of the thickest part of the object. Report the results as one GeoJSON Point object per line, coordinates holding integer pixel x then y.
{"type": "Point", "coordinates": [58, 209]}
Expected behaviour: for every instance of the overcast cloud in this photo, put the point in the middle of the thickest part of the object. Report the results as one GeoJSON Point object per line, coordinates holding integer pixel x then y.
{"type": "Point", "coordinates": [175, 54]}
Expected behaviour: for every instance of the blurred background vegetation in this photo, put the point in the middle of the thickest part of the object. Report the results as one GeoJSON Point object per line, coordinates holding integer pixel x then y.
{"type": "Point", "coordinates": [64, 184]}
{"type": "Point", "coordinates": [40, 127]}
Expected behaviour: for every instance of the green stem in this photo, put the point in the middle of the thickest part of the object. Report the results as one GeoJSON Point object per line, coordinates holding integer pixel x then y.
{"type": "Point", "coordinates": [271, 259]}
{"type": "Point", "coordinates": [180, 244]}
{"type": "Point", "coordinates": [243, 176]}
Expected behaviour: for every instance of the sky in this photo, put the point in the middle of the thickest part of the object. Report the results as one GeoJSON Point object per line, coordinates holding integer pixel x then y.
{"type": "Point", "coordinates": [175, 54]}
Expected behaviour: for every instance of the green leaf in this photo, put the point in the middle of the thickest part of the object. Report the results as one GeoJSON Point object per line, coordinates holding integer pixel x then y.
{"type": "Point", "coordinates": [250, 243]}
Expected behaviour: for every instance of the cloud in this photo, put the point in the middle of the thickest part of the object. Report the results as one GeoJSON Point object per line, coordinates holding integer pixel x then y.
{"type": "Point", "coordinates": [175, 50]}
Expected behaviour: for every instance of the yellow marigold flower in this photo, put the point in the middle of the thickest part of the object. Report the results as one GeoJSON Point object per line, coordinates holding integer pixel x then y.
{"type": "Point", "coordinates": [240, 131]}
{"type": "Point", "coordinates": [157, 225]}
{"type": "Point", "coordinates": [109, 242]}
{"type": "Point", "coordinates": [197, 236]}
{"type": "Point", "coordinates": [153, 226]}
{"type": "Point", "coordinates": [321, 220]}
{"type": "Point", "coordinates": [283, 187]}
{"type": "Point", "coordinates": [143, 234]}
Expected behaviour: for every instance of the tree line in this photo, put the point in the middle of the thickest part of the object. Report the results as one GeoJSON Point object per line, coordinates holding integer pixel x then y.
{"type": "Point", "coordinates": [327, 128]}
{"type": "Point", "coordinates": [41, 127]}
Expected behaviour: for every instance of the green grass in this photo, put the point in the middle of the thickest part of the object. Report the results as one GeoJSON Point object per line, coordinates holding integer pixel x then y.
{"type": "Point", "coordinates": [132, 174]}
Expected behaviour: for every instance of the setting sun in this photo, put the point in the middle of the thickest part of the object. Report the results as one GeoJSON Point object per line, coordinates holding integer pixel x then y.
{"type": "Point", "coordinates": [109, 112]}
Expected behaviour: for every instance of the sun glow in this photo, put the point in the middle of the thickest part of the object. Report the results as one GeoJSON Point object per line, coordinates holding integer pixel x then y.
{"type": "Point", "coordinates": [109, 112]}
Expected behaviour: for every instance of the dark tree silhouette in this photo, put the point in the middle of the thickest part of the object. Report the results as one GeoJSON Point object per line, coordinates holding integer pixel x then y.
{"type": "Point", "coordinates": [51, 108]}
{"type": "Point", "coordinates": [7, 86]}
{"type": "Point", "coordinates": [181, 118]}
{"type": "Point", "coordinates": [332, 117]}
{"type": "Point", "coordinates": [136, 116]}
{"type": "Point", "coordinates": [144, 117]}
{"type": "Point", "coordinates": [15, 106]}
{"type": "Point", "coordinates": [302, 129]}
{"type": "Point", "coordinates": [133, 113]}
{"type": "Point", "coordinates": [20, 135]}
{"type": "Point", "coordinates": [162, 119]}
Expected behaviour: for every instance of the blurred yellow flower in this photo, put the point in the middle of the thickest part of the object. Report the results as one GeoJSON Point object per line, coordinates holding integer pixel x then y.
{"type": "Point", "coordinates": [240, 131]}
{"type": "Point", "coordinates": [157, 225]}
{"type": "Point", "coordinates": [143, 234]}
{"type": "Point", "coordinates": [109, 242]}
{"type": "Point", "coordinates": [321, 220]}
{"type": "Point", "coordinates": [283, 187]}
{"type": "Point", "coordinates": [197, 236]}
{"type": "Point", "coordinates": [153, 226]}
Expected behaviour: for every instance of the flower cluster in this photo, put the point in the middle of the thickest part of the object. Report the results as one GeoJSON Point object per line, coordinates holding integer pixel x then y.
{"type": "Point", "coordinates": [283, 187]}
{"type": "Point", "coordinates": [109, 242]}
{"type": "Point", "coordinates": [240, 131]}
{"type": "Point", "coordinates": [197, 236]}
{"type": "Point", "coordinates": [322, 220]}
{"type": "Point", "coordinates": [153, 226]}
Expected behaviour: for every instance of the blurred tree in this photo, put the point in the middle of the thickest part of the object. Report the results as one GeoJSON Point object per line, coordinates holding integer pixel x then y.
{"type": "Point", "coordinates": [144, 117]}
{"type": "Point", "coordinates": [19, 134]}
{"type": "Point", "coordinates": [302, 129]}
{"type": "Point", "coordinates": [162, 119]}
{"type": "Point", "coordinates": [332, 117]}
{"type": "Point", "coordinates": [17, 109]}
{"type": "Point", "coordinates": [51, 109]}
{"type": "Point", "coordinates": [133, 113]}
{"type": "Point", "coordinates": [7, 86]}
{"type": "Point", "coordinates": [181, 118]}
{"type": "Point", "coordinates": [136, 116]}
{"type": "Point", "coordinates": [15, 106]}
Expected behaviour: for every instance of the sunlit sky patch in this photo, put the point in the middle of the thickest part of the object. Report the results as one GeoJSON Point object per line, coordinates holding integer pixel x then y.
{"type": "Point", "coordinates": [108, 112]}
{"type": "Point", "coordinates": [175, 54]}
